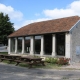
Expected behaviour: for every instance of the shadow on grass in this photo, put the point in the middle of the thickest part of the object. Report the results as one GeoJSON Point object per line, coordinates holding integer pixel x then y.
{"type": "Point", "coordinates": [47, 66]}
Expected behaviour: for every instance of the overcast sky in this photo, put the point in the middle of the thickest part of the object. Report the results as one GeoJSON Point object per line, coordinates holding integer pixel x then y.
{"type": "Point", "coordinates": [23, 12]}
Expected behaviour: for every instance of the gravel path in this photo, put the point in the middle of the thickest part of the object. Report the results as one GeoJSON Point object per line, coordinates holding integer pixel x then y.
{"type": "Point", "coordinates": [11, 72]}
{"type": "Point", "coordinates": [72, 66]}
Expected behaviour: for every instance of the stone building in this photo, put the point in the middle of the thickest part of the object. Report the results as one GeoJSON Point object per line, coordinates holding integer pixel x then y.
{"type": "Point", "coordinates": [55, 38]}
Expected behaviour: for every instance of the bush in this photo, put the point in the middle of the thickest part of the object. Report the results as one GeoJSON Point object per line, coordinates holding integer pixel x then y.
{"type": "Point", "coordinates": [51, 60]}
{"type": "Point", "coordinates": [60, 61]}
{"type": "Point", "coordinates": [63, 61]}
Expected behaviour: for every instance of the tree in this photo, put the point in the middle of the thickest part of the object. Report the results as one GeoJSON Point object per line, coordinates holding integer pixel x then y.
{"type": "Point", "coordinates": [6, 28]}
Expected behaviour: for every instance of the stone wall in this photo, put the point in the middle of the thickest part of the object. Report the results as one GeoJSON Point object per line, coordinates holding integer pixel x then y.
{"type": "Point", "coordinates": [75, 43]}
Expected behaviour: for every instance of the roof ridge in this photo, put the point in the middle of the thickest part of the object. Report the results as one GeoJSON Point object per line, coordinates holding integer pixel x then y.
{"type": "Point", "coordinates": [52, 19]}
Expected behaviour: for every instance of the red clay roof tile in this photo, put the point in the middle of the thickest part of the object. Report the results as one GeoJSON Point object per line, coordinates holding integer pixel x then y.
{"type": "Point", "coordinates": [50, 26]}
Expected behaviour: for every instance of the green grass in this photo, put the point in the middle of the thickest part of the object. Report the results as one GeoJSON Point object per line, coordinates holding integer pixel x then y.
{"type": "Point", "coordinates": [65, 78]}
{"type": "Point", "coordinates": [3, 52]}
{"type": "Point", "coordinates": [6, 61]}
{"type": "Point", "coordinates": [51, 66]}
{"type": "Point", "coordinates": [47, 65]}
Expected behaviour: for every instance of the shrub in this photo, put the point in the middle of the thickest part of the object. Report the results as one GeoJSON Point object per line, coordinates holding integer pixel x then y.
{"type": "Point", "coordinates": [48, 59]}
{"type": "Point", "coordinates": [63, 61]}
{"type": "Point", "coordinates": [54, 60]}
{"type": "Point", "coordinates": [51, 60]}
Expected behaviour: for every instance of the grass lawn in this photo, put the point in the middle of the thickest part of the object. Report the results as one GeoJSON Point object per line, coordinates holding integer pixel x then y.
{"type": "Point", "coordinates": [47, 65]}
{"type": "Point", "coordinates": [3, 52]}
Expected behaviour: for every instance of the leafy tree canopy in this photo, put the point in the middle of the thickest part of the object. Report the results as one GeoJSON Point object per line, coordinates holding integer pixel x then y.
{"type": "Point", "coordinates": [6, 28]}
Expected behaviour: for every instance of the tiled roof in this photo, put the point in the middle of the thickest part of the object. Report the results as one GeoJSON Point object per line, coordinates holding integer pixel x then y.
{"type": "Point", "coordinates": [50, 26]}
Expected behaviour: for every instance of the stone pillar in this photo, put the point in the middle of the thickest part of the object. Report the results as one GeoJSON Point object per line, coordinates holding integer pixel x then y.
{"type": "Point", "coordinates": [42, 46]}
{"type": "Point", "coordinates": [16, 45]}
{"type": "Point", "coordinates": [9, 45]}
{"type": "Point", "coordinates": [53, 45]}
{"type": "Point", "coordinates": [67, 45]}
{"type": "Point", "coordinates": [23, 44]}
{"type": "Point", "coordinates": [32, 45]}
